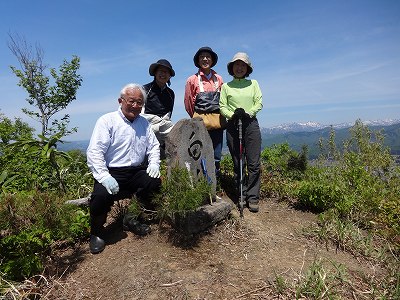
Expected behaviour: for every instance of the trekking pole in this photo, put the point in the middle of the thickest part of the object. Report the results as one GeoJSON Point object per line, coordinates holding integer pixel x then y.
{"type": "Point", "coordinates": [241, 200]}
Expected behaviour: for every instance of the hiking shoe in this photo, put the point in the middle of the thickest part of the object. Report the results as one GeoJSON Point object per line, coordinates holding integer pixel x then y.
{"type": "Point", "coordinates": [253, 207]}
{"type": "Point", "coordinates": [131, 224]}
{"type": "Point", "coordinates": [96, 244]}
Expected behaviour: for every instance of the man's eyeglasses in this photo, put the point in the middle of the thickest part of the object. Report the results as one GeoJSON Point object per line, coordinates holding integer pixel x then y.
{"type": "Point", "coordinates": [133, 102]}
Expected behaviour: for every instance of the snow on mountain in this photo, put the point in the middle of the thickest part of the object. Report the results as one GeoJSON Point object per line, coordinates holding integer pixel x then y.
{"type": "Point", "coordinates": [293, 127]}
{"type": "Point", "coordinates": [313, 126]}
{"type": "Point", "coordinates": [386, 122]}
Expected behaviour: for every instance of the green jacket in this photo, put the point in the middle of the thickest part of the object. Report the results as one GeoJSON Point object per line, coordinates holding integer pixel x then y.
{"type": "Point", "coordinates": [242, 93]}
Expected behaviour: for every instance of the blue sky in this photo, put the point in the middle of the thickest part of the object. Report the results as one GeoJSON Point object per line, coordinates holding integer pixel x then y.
{"type": "Point", "coordinates": [322, 61]}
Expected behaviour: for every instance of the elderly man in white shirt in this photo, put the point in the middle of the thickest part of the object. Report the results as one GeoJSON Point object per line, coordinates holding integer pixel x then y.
{"type": "Point", "coordinates": [123, 156]}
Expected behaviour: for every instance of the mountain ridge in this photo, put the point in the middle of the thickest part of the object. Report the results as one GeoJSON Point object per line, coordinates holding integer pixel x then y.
{"type": "Point", "coordinates": [314, 126]}
{"type": "Point", "coordinates": [297, 139]}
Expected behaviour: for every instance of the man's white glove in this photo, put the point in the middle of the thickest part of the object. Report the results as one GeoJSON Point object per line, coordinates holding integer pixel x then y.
{"type": "Point", "coordinates": [153, 171]}
{"type": "Point", "coordinates": [111, 185]}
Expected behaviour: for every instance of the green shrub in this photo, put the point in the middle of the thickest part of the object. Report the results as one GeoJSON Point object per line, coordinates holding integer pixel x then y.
{"type": "Point", "coordinates": [38, 165]}
{"type": "Point", "coordinates": [226, 180]}
{"type": "Point", "coordinates": [30, 223]}
{"type": "Point", "coordinates": [361, 183]}
{"type": "Point", "coordinates": [227, 164]}
{"type": "Point", "coordinates": [281, 168]}
{"type": "Point", "coordinates": [317, 196]}
{"type": "Point", "coordinates": [180, 193]}
{"type": "Point", "coordinates": [281, 158]}
{"type": "Point", "coordinates": [22, 254]}
{"type": "Point", "coordinates": [275, 158]}
{"type": "Point", "coordinates": [276, 184]}
{"type": "Point", "coordinates": [76, 175]}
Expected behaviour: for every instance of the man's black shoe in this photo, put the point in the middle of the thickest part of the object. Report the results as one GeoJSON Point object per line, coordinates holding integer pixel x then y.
{"type": "Point", "coordinates": [96, 244]}
{"type": "Point", "coordinates": [131, 224]}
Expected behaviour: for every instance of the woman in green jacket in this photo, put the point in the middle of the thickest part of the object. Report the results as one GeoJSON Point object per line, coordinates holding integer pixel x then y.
{"type": "Point", "coordinates": [241, 99]}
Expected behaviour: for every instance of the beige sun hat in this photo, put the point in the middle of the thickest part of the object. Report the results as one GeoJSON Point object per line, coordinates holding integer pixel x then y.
{"type": "Point", "coordinates": [244, 58]}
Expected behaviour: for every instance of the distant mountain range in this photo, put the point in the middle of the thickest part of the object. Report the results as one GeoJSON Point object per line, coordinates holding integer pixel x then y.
{"type": "Point", "coordinates": [314, 126]}
{"type": "Point", "coordinates": [74, 145]}
{"type": "Point", "coordinates": [299, 134]}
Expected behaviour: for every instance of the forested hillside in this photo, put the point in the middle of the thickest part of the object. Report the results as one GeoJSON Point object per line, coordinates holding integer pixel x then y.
{"type": "Point", "coordinates": [297, 139]}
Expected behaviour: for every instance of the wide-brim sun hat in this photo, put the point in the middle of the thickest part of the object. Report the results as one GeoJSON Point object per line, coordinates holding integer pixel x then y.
{"type": "Point", "coordinates": [244, 58]}
{"type": "Point", "coordinates": [214, 56]}
{"type": "Point", "coordinates": [161, 62]}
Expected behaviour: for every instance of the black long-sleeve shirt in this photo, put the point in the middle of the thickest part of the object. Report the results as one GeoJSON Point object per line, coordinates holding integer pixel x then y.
{"type": "Point", "coordinates": [159, 101]}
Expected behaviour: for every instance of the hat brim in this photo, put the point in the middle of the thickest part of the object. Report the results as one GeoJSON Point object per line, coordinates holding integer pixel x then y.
{"type": "Point", "coordinates": [230, 68]}
{"type": "Point", "coordinates": [153, 68]}
{"type": "Point", "coordinates": [214, 57]}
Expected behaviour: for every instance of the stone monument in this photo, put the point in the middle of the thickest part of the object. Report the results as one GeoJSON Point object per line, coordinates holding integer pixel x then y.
{"type": "Point", "coordinates": [189, 146]}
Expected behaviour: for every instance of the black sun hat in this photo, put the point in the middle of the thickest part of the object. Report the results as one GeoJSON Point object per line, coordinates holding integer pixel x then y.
{"type": "Point", "coordinates": [205, 49]}
{"type": "Point", "coordinates": [161, 62]}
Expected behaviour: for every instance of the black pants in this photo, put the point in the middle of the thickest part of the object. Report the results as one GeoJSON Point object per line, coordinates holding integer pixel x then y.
{"type": "Point", "coordinates": [131, 180]}
{"type": "Point", "coordinates": [251, 141]}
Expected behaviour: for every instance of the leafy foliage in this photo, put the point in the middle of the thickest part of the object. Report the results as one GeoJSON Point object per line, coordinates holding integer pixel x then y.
{"type": "Point", "coordinates": [35, 177]}
{"type": "Point", "coordinates": [22, 253]}
{"type": "Point", "coordinates": [282, 159]}
{"type": "Point", "coordinates": [181, 194]}
{"type": "Point", "coordinates": [281, 165]}
{"type": "Point", "coordinates": [32, 164]}
{"type": "Point", "coordinates": [360, 183]}
{"type": "Point", "coordinates": [13, 130]}
{"type": "Point", "coordinates": [226, 180]}
{"type": "Point", "coordinates": [33, 214]}
{"type": "Point", "coordinates": [31, 223]}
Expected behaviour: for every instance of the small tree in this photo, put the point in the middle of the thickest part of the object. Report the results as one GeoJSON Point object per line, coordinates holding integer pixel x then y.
{"type": "Point", "coordinates": [48, 99]}
{"type": "Point", "coordinates": [40, 165]}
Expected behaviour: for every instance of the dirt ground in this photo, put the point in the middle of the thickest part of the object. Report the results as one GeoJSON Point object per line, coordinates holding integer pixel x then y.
{"type": "Point", "coordinates": [236, 259]}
